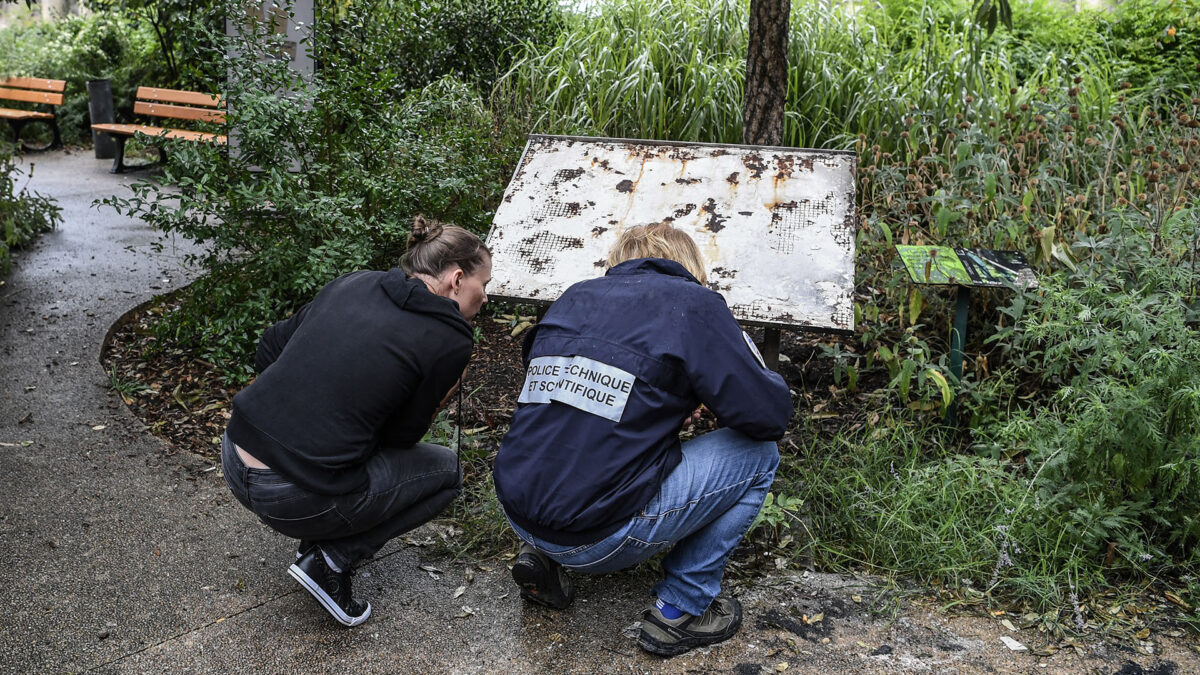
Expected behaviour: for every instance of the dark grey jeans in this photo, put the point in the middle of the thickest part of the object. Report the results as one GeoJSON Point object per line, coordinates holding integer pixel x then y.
{"type": "Point", "coordinates": [407, 487]}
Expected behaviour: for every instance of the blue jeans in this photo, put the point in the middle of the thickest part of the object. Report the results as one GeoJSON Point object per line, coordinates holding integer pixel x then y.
{"type": "Point", "coordinates": [703, 509]}
{"type": "Point", "coordinates": [406, 488]}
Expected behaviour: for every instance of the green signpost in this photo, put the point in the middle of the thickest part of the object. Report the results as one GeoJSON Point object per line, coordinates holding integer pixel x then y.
{"type": "Point", "coordinates": [965, 268]}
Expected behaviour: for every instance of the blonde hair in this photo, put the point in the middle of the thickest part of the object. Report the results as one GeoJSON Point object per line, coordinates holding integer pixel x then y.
{"type": "Point", "coordinates": [659, 240]}
{"type": "Point", "coordinates": [435, 247]}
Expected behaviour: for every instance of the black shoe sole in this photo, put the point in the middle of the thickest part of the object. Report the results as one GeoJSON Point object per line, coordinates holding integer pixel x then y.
{"type": "Point", "coordinates": [327, 602]}
{"type": "Point", "coordinates": [532, 578]}
{"type": "Point", "coordinates": [651, 644]}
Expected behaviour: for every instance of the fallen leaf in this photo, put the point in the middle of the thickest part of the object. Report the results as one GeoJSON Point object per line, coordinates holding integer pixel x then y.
{"type": "Point", "coordinates": [1142, 634]}
{"type": "Point", "coordinates": [782, 667]}
{"type": "Point", "coordinates": [1009, 625]}
{"type": "Point", "coordinates": [466, 611]}
{"type": "Point", "coordinates": [98, 427]}
{"type": "Point", "coordinates": [1013, 644]}
{"type": "Point", "coordinates": [459, 591]}
{"type": "Point", "coordinates": [856, 598]}
{"type": "Point", "coordinates": [1047, 650]}
{"type": "Point", "coordinates": [1177, 600]}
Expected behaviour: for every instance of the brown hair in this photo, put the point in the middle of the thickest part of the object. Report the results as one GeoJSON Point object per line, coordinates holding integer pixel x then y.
{"type": "Point", "coordinates": [659, 240]}
{"type": "Point", "coordinates": [435, 247]}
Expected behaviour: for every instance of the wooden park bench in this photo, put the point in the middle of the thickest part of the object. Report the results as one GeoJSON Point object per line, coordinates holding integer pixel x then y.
{"type": "Point", "coordinates": [46, 93]}
{"type": "Point", "coordinates": [172, 104]}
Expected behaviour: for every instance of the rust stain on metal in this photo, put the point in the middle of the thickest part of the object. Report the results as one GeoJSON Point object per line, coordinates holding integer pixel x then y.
{"type": "Point", "coordinates": [783, 167]}
{"type": "Point", "coordinates": [687, 181]}
{"type": "Point", "coordinates": [716, 222]}
{"type": "Point", "coordinates": [687, 208]}
{"type": "Point", "coordinates": [597, 231]}
{"type": "Point", "coordinates": [732, 178]}
{"type": "Point", "coordinates": [573, 208]}
{"type": "Point", "coordinates": [625, 186]}
{"type": "Point", "coordinates": [754, 162]}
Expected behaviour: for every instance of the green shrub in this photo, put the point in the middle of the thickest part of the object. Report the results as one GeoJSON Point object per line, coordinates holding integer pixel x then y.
{"type": "Point", "coordinates": [23, 214]}
{"type": "Point", "coordinates": [1156, 44]}
{"type": "Point", "coordinates": [470, 40]}
{"type": "Point", "coordinates": [318, 182]}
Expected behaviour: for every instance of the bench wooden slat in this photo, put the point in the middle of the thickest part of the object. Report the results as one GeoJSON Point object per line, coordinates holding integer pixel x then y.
{"type": "Point", "coordinates": [178, 96]}
{"type": "Point", "coordinates": [31, 96]}
{"type": "Point", "coordinates": [13, 114]}
{"type": "Point", "coordinates": [34, 83]}
{"type": "Point", "coordinates": [178, 112]}
{"type": "Point", "coordinates": [160, 132]}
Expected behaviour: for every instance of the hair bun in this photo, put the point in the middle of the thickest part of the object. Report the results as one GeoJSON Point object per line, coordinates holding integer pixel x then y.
{"type": "Point", "coordinates": [423, 230]}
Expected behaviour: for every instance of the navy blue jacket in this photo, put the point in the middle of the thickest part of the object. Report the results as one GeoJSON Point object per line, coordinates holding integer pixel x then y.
{"type": "Point", "coordinates": [360, 368]}
{"type": "Point", "coordinates": [612, 371]}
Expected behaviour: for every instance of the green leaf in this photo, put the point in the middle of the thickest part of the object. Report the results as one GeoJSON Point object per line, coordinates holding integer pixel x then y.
{"type": "Point", "coordinates": [916, 302]}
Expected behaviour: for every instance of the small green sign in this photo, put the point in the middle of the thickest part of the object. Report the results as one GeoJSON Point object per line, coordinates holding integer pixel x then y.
{"type": "Point", "coordinates": [966, 266]}
{"type": "Point", "coordinates": [933, 265]}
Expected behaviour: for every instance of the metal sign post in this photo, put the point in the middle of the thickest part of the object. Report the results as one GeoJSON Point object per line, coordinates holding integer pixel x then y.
{"type": "Point", "coordinates": [964, 268]}
{"type": "Point", "coordinates": [775, 225]}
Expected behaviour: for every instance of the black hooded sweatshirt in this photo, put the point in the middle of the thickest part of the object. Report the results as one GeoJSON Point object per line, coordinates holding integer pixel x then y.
{"type": "Point", "coordinates": [360, 368]}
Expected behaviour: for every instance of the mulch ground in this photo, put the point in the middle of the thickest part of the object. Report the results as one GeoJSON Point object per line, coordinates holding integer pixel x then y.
{"type": "Point", "coordinates": [185, 401]}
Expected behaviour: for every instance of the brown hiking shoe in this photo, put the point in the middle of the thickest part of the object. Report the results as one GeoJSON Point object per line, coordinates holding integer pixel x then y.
{"type": "Point", "coordinates": [671, 637]}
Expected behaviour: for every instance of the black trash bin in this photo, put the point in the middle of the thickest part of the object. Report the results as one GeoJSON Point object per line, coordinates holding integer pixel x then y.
{"type": "Point", "coordinates": [100, 109]}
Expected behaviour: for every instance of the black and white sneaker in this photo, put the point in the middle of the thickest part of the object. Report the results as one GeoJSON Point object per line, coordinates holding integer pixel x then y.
{"type": "Point", "coordinates": [331, 589]}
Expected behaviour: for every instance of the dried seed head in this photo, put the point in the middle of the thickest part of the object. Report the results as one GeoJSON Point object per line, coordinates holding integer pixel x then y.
{"type": "Point", "coordinates": [1078, 79]}
{"type": "Point", "coordinates": [1073, 92]}
{"type": "Point", "coordinates": [1024, 107]}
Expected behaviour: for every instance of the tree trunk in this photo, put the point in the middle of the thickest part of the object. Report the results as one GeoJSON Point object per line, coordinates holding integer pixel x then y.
{"type": "Point", "coordinates": [766, 72]}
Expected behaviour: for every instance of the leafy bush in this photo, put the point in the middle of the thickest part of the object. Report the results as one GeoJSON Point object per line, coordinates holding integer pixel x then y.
{"type": "Point", "coordinates": [23, 214]}
{"type": "Point", "coordinates": [318, 182]}
{"type": "Point", "coordinates": [470, 40]}
{"type": "Point", "coordinates": [1157, 43]}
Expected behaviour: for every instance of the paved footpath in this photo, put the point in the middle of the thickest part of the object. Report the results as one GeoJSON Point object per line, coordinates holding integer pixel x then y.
{"type": "Point", "coordinates": [122, 555]}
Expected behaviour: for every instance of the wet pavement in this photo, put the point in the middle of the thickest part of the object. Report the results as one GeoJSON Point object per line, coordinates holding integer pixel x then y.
{"type": "Point", "coordinates": [121, 554]}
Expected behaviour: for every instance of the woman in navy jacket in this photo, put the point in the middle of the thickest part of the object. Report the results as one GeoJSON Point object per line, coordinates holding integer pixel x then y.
{"type": "Point", "coordinates": [592, 475]}
{"type": "Point", "coordinates": [324, 445]}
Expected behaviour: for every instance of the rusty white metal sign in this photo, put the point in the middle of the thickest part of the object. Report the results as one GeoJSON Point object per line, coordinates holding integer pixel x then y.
{"type": "Point", "coordinates": [775, 225]}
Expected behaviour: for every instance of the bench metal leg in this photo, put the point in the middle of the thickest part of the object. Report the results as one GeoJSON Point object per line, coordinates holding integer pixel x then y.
{"type": "Point", "coordinates": [55, 141]}
{"type": "Point", "coordinates": [119, 161]}
{"type": "Point", "coordinates": [119, 165]}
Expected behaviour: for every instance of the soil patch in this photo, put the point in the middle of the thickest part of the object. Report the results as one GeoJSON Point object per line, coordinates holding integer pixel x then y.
{"type": "Point", "coordinates": [185, 401]}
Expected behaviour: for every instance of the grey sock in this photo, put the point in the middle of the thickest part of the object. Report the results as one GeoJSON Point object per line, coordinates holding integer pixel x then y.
{"type": "Point", "coordinates": [329, 561]}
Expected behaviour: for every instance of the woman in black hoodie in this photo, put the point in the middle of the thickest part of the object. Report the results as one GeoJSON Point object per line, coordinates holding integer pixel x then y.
{"type": "Point", "coordinates": [324, 445]}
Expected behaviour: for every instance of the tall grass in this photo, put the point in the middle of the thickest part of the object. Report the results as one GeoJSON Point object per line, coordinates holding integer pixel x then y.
{"type": "Point", "coordinates": [675, 71]}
